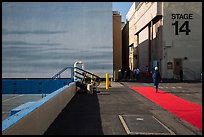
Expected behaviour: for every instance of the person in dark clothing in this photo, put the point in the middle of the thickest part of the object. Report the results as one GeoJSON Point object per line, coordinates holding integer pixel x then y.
{"type": "Point", "coordinates": [181, 75]}
{"type": "Point", "coordinates": [156, 78]}
{"type": "Point", "coordinates": [137, 73]}
{"type": "Point", "coordinates": [147, 70]}
{"type": "Point", "coordinates": [128, 73]}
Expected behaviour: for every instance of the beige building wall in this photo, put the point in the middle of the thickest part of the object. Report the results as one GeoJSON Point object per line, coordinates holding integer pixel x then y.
{"type": "Point", "coordinates": [143, 48]}
{"type": "Point", "coordinates": [132, 18]}
{"type": "Point", "coordinates": [132, 41]}
{"type": "Point", "coordinates": [131, 12]}
{"type": "Point", "coordinates": [159, 39]}
{"type": "Point", "coordinates": [145, 12]}
{"type": "Point", "coordinates": [117, 44]}
{"type": "Point", "coordinates": [147, 15]}
{"type": "Point", "coordinates": [182, 43]}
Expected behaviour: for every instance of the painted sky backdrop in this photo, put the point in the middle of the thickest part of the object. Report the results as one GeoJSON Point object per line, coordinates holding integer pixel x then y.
{"type": "Point", "coordinates": [39, 39]}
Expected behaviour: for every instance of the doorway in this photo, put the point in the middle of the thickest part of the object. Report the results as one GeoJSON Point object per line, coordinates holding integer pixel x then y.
{"type": "Point", "coordinates": [177, 66]}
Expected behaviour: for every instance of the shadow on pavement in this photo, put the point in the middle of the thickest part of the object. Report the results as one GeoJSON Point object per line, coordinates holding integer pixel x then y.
{"type": "Point", "coordinates": [81, 116]}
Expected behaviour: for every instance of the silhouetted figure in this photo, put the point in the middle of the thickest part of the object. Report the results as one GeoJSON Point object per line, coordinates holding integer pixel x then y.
{"type": "Point", "coordinates": [128, 73]}
{"type": "Point", "coordinates": [137, 73]}
{"type": "Point", "coordinates": [147, 70]}
{"type": "Point", "coordinates": [156, 78]}
{"type": "Point", "coordinates": [134, 73]}
{"type": "Point", "coordinates": [181, 75]}
{"type": "Point", "coordinates": [122, 73]}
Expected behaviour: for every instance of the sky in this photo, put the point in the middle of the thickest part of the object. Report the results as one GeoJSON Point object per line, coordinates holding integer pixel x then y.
{"type": "Point", "coordinates": [122, 7]}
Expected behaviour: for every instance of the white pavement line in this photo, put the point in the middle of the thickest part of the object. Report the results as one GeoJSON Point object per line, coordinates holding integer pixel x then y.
{"type": "Point", "coordinates": [146, 133]}
{"type": "Point", "coordinates": [12, 98]}
{"type": "Point", "coordinates": [171, 132]}
{"type": "Point", "coordinates": [124, 124]}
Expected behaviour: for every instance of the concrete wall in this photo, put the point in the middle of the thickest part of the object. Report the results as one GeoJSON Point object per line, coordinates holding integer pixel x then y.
{"type": "Point", "coordinates": [36, 119]}
{"type": "Point", "coordinates": [143, 49]}
{"type": "Point", "coordinates": [125, 44]}
{"type": "Point", "coordinates": [132, 40]}
{"type": "Point", "coordinates": [156, 46]}
{"type": "Point", "coordinates": [158, 42]}
{"type": "Point", "coordinates": [183, 45]}
{"type": "Point", "coordinates": [32, 86]}
{"type": "Point", "coordinates": [146, 12]}
{"type": "Point", "coordinates": [146, 40]}
{"type": "Point", "coordinates": [131, 11]}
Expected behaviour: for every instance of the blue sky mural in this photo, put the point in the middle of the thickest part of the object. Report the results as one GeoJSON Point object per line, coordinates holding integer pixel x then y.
{"type": "Point", "coordinates": [39, 39]}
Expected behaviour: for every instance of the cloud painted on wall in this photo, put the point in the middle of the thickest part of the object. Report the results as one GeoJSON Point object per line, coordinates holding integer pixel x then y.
{"type": "Point", "coordinates": [26, 43]}
{"type": "Point", "coordinates": [6, 32]}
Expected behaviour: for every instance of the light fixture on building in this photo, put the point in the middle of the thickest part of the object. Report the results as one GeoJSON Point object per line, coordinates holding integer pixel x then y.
{"type": "Point", "coordinates": [185, 58]}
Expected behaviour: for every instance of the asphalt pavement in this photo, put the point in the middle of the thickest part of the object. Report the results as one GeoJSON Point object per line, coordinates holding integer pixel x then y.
{"type": "Point", "coordinates": [121, 111]}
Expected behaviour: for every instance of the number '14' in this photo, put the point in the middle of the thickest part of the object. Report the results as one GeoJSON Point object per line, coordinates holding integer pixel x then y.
{"type": "Point", "coordinates": [184, 27]}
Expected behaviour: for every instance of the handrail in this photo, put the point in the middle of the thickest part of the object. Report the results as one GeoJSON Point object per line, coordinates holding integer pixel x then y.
{"type": "Point", "coordinates": [74, 72]}
{"type": "Point", "coordinates": [81, 74]}
{"type": "Point", "coordinates": [60, 72]}
{"type": "Point", "coordinates": [79, 77]}
{"type": "Point", "coordinates": [87, 72]}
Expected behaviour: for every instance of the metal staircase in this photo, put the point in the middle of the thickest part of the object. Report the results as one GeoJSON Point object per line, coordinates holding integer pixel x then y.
{"type": "Point", "coordinates": [85, 77]}
{"type": "Point", "coordinates": [81, 77]}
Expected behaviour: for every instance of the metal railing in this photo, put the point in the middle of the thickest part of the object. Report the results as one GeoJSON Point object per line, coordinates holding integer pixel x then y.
{"type": "Point", "coordinates": [79, 73]}
{"type": "Point", "coordinates": [58, 75]}
{"type": "Point", "coordinates": [86, 76]}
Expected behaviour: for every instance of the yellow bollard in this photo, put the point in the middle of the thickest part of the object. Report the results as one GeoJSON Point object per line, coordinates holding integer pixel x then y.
{"type": "Point", "coordinates": [107, 81]}
{"type": "Point", "coordinates": [92, 77]}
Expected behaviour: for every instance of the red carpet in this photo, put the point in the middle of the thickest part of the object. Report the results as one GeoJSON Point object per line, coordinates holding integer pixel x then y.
{"type": "Point", "coordinates": [188, 111]}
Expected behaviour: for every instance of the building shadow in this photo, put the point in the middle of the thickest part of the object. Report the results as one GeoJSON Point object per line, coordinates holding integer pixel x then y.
{"type": "Point", "coordinates": [81, 116]}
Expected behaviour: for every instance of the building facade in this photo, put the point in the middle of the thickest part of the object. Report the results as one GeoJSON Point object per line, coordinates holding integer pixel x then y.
{"type": "Point", "coordinates": [168, 35]}
{"type": "Point", "coordinates": [117, 44]}
{"type": "Point", "coordinates": [125, 47]}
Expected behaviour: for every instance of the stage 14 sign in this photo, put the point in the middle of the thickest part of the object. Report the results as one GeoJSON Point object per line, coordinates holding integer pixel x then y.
{"type": "Point", "coordinates": [184, 26]}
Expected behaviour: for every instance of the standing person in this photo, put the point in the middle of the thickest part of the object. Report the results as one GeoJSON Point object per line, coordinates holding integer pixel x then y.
{"type": "Point", "coordinates": [181, 74]}
{"type": "Point", "coordinates": [137, 73]}
{"type": "Point", "coordinates": [156, 78]}
{"type": "Point", "coordinates": [128, 73]}
{"type": "Point", "coordinates": [147, 70]}
{"type": "Point", "coordinates": [134, 73]}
